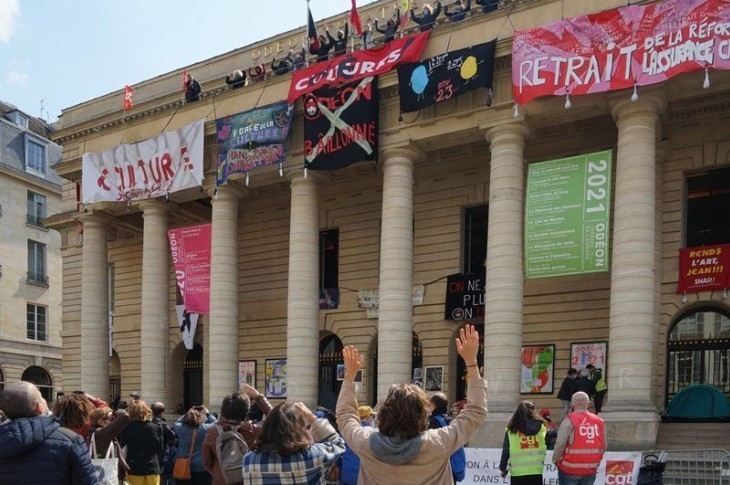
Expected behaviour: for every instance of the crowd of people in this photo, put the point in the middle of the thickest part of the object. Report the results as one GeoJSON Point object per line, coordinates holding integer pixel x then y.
{"type": "Point", "coordinates": [412, 438]}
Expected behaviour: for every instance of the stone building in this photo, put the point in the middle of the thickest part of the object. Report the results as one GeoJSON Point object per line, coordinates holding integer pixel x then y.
{"type": "Point", "coordinates": [447, 197]}
{"type": "Point", "coordinates": [30, 254]}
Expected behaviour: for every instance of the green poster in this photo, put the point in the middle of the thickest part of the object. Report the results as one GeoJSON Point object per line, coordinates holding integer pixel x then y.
{"type": "Point", "coordinates": [567, 213]}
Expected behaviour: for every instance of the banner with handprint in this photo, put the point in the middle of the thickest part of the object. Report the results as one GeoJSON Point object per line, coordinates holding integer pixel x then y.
{"type": "Point", "coordinates": [445, 76]}
{"type": "Point", "coordinates": [252, 139]}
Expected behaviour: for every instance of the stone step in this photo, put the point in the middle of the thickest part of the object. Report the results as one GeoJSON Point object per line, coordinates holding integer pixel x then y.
{"type": "Point", "coordinates": [682, 436]}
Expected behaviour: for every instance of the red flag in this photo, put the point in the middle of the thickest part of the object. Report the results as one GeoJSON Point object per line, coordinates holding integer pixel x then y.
{"type": "Point", "coordinates": [355, 18]}
{"type": "Point", "coordinates": [128, 94]}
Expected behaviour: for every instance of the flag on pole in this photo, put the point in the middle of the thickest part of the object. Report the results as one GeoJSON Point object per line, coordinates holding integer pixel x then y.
{"type": "Point", "coordinates": [311, 29]}
{"type": "Point", "coordinates": [405, 14]}
{"type": "Point", "coordinates": [128, 94]}
{"type": "Point", "coordinates": [187, 322]}
{"type": "Point", "coordinates": [355, 18]}
{"type": "Point", "coordinates": [185, 78]}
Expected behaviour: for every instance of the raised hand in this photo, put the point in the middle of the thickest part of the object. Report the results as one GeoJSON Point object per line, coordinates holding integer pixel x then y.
{"type": "Point", "coordinates": [467, 344]}
{"type": "Point", "coordinates": [305, 412]}
{"type": "Point", "coordinates": [249, 391]}
{"type": "Point", "coordinates": [353, 362]}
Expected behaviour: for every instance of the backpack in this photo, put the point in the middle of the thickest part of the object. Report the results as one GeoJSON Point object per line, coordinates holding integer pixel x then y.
{"type": "Point", "coordinates": [457, 459]}
{"type": "Point", "coordinates": [230, 448]}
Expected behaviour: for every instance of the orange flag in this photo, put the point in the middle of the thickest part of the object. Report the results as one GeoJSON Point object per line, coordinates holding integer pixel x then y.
{"type": "Point", "coordinates": [128, 95]}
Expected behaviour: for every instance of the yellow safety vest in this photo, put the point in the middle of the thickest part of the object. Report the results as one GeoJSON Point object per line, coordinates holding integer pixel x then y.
{"type": "Point", "coordinates": [527, 453]}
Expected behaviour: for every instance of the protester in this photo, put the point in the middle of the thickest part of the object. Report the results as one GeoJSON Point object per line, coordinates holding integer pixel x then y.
{"type": "Point", "coordinates": [404, 450]}
{"type": "Point", "coordinates": [391, 27]}
{"type": "Point", "coordinates": [567, 388]}
{"type": "Point", "coordinates": [191, 429]}
{"type": "Point", "coordinates": [578, 455]}
{"type": "Point", "coordinates": [104, 428]}
{"type": "Point", "coordinates": [283, 66]}
{"type": "Point", "coordinates": [255, 74]}
{"type": "Point", "coordinates": [168, 439]}
{"type": "Point", "coordinates": [350, 461]}
{"type": "Point", "coordinates": [524, 446]}
{"type": "Point", "coordinates": [284, 452]}
{"type": "Point", "coordinates": [143, 440]}
{"type": "Point", "coordinates": [236, 79]}
{"type": "Point", "coordinates": [488, 5]}
{"type": "Point", "coordinates": [367, 36]}
{"type": "Point", "coordinates": [192, 89]}
{"type": "Point", "coordinates": [599, 385]}
{"type": "Point", "coordinates": [320, 48]}
{"type": "Point", "coordinates": [552, 432]}
{"type": "Point", "coordinates": [584, 384]}
{"type": "Point", "coordinates": [428, 17]}
{"type": "Point", "coordinates": [300, 60]}
{"type": "Point", "coordinates": [234, 417]}
{"type": "Point", "coordinates": [440, 419]}
{"type": "Point", "coordinates": [459, 11]}
{"type": "Point", "coordinates": [34, 449]}
{"type": "Point", "coordinates": [340, 43]}
{"type": "Point", "coordinates": [73, 411]}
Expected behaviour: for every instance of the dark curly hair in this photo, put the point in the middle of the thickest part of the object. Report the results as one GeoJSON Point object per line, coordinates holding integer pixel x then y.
{"type": "Point", "coordinates": [283, 431]}
{"type": "Point", "coordinates": [404, 413]}
{"type": "Point", "coordinates": [73, 410]}
{"type": "Point", "coordinates": [524, 412]}
{"type": "Point", "coordinates": [235, 407]}
{"type": "Point", "coordinates": [194, 417]}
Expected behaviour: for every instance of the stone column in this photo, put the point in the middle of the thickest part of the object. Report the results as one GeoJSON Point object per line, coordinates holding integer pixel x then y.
{"type": "Point", "coordinates": [155, 326]}
{"type": "Point", "coordinates": [395, 312]}
{"type": "Point", "coordinates": [302, 337]}
{"type": "Point", "coordinates": [95, 308]}
{"type": "Point", "coordinates": [504, 285]}
{"type": "Point", "coordinates": [221, 354]}
{"type": "Point", "coordinates": [629, 410]}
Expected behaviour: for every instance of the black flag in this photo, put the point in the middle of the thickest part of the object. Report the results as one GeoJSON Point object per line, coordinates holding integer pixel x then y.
{"type": "Point", "coordinates": [311, 29]}
{"type": "Point", "coordinates": [442, 77]}
{"type": "Point", "coordinates": [341, 125]}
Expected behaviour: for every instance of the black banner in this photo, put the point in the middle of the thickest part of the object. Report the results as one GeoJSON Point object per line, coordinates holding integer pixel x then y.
{"type": "Point", "coordinates": [464, 297]}
{"type": "Point", "coordinates": [341, 125]}
{"type": "Point", "coordinates": [442, 77]}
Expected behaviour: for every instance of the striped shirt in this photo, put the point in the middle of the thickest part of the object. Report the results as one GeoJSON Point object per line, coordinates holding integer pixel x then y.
{"type": "Point", "coordinates": [307, 467]}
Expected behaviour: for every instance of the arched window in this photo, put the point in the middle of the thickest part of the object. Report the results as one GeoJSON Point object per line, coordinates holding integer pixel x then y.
{"type": "Point", "coordinates": [41, 378]}
{"type": "Point", "coordinates": [193, 378]}
{"type": "Point", "coordinates": [698, 351]}
{"type": "Point", "coordinates": [331, 370]}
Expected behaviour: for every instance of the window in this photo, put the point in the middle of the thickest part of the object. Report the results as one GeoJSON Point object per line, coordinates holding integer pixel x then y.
{"type": "Point", "coordinates": [328, 255]}
{"type": "Point", "coordinates": [708, 197]}
{"type": "Point", "coordinates": [474, 239]}
{"type": "Point", "coordinates": [36, 208]}
{"type": "Point", "coordinates": [36, 322]}
{"type": "Point", "coordinates": [35, 157]}
{"type": "Point", "coordinates": [37, 262]}
{"type": "Point", "coordinates": [39, 377]}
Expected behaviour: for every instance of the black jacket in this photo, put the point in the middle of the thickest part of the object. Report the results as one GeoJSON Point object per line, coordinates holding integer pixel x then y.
{"type": "Point", "coordinates": [567, 388]}
{"type": "Point", "coordinates": [584, 384]}
{"type": "Point", "coordinates": [320, 50]}
{"type": "Point", "coordinates": [340, 45]}
{"type": "Point", "coordinates": [389, 30]}
{"type": "Point", "coordinates": [144, 443]}
{"type": "Point", "coordinates": [459, 13]}
{"type": "Point", "coordinates": [37, 451]}
{"type": "Point", "coordinates": [426, 21]}
{"type": "Point", "coordinates": [488, 5]}
{"type": "Point", "coordinates": [192, 91]}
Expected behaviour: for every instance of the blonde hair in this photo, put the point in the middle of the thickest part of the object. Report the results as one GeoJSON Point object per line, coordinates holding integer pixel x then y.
{"type": "Point", "coordinates": [98, 414]}
{"type": "Point", "coordinates": [139, 411]}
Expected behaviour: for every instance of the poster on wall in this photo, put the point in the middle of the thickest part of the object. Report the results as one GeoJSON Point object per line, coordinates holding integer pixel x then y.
{"type": "Point", "coordinates": [537, 369]}
{"type": "Point", "coordinates": [247, 373]}
{"type": "Point", "coordinates": [464, 297]}
{"type": "Point", "coordinates": [619, 48]}
{"type": "Point", "coordinates": [275, 378]}
{"type": "Point", "coordinates": [584, 353]}
{"type": "Point", "coordinates": [434, 377]}
{"type": "Point", "coordinates": [567, 214]}
{"type": "Point", "coordinates": [191, 253]}
{"type": "Point", "coordinates": [706, 268]}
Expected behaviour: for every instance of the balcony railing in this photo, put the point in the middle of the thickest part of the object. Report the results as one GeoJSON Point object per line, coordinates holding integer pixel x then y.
{"type": "Point", "coordinates": [36, 278]}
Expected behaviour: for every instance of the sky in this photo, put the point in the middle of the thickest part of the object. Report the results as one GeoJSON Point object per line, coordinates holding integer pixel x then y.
{"type": "Point", "coordinates": [65, 52]}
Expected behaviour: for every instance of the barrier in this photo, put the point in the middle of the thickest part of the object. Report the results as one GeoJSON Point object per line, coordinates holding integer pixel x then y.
{"type": "Point", "coordinates": [696, 467]}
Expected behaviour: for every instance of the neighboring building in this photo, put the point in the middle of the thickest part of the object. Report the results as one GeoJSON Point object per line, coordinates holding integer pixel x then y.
{"type": "Point", "coordinates": [448, 197]}
{"type": "Point", "coordinates": [30, 253]}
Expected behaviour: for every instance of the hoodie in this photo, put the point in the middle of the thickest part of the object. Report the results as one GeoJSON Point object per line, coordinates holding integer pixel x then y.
{"type": "Point", "coordinates": [38, 451]}
{"type": "Point", "coordinates": [532, 427]}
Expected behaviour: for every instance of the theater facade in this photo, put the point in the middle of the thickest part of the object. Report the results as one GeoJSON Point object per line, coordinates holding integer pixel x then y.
{"type": "Point", "coordinates": [395, 256]}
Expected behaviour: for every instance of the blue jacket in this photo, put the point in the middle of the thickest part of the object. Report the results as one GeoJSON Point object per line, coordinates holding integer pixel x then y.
{"type": "Point", "coordinates": [350, 464]}
{"type": "Point", "coordinates": [185, 437]}
{"type": "Point", "coordinates": [35, 451]}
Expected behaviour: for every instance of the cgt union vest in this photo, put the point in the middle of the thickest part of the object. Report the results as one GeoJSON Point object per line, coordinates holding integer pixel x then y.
{"type": "Point", "coordinates": [527, 453]}
{"type": "Point", "coordinates": [589, 443]}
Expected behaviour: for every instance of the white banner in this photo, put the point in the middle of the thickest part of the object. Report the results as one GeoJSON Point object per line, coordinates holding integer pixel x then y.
{"type": "Point", "coordinates": [617, 468]}
{"type": "Point", "coordinates": [187, 323]}
{"type": "Point", "coordinates": [151, 168]}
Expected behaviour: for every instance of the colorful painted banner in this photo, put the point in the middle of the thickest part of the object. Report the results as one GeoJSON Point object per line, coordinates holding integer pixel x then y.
{"type": "Point", "coordinates": [706, 268]}
{"type": "Point", "coordinates": [341, 125]}
{"type": "Point", "coordinates": [444, 76]}
{"type": "Point", "coordinates": [537, 369]}
{"type": "Point", "coordinates": [617, 467]}
{"type": "Point", "coordinates": [190, 248]}
{"type": "Point", "coordinates": [464, 297]}
{"type": "Point", "coordinates": [567, 216]}
{"type": "Point", "coordinates": [357, 65]}
{"type": "Point", "coordinates": [275, 374]}
{"type": "Point", "coordinates": [242, 160]}
{"type": "Point", "coordinates": [151, 168]}
{"type": "Point", "coordinates": [247, 373]}
{"type": "Point", "coordinates": [615, 49]}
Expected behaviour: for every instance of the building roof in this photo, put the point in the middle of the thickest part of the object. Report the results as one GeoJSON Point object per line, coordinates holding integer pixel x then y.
{"type": "Point", "coordinates": [35, 125]}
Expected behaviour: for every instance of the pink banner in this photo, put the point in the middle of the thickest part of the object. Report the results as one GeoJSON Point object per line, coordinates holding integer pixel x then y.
{"type": "Point", "coordinates": [615, 49]}
{"type": "Point", "coordinates": [190, 248]}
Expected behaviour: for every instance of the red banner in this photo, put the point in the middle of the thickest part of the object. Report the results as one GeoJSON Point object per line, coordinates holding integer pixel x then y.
{"type": "Point", "coordinates": [190, 248]}
{"type": "Point", "coordinates": [615, 49]}
{"type": "Point", "coordinates": [357, 65]}
{"type": "Point", "coordinates": [706, 268]}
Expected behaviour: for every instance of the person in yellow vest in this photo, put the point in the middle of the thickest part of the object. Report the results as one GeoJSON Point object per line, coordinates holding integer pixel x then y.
{"type": "Point", "coordinates": [524, 446]}
{"type": "Point", "coordinates": [597, 377]}
{"type": "Point", "coordinates": [580, 445]}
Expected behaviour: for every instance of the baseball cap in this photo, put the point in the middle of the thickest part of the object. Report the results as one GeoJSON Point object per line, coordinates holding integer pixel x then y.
{"type": "Point", "coordinates": [544, 412]}
{"type": "Point", "coordinates": [365, 411]}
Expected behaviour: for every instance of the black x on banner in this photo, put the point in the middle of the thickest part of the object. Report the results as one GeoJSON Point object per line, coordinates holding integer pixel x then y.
{"type": "Point", "coordinates": [341, 125]}
{"type": "Point", "coordinates": [444, 76]}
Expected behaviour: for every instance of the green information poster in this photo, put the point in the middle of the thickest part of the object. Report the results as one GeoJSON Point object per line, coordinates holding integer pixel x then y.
{"type": "Point", "coordinates": [567, 211]}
